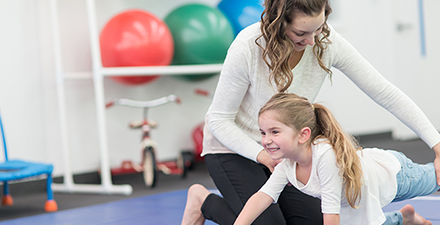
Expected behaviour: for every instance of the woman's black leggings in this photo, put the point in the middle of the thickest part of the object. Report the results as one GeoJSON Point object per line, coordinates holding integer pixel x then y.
{"type": "Point", "coordinates": [238, 178]}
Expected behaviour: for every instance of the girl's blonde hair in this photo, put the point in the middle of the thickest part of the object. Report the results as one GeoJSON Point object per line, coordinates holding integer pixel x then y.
{"type": "Point", "coordinates": [297, 113]}
{"type": "Point", "coordinates": [277, 15]}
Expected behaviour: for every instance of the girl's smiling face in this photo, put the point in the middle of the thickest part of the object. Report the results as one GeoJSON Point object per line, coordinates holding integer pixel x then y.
{"type": "Point", "coordinates": [278, 139]}
{"type": "Point", "coordinates": [304, 28]}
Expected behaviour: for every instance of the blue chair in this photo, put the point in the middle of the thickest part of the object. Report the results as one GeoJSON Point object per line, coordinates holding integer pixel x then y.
{"type": "Point", "coordinates": [17, 169]}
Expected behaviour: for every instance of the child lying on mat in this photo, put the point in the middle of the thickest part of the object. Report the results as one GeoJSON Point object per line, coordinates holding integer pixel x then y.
{"type": "Point", "coordinates": [321, 160]}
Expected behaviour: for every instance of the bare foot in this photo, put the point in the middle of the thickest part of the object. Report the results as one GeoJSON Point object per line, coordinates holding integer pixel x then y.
{"type": "Point", "coordinates": [193, 214]}
{"type": "Point", "coordinates": [410, 217]}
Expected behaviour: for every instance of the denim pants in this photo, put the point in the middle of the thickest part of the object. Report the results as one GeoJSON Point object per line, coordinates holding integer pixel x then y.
{"type": "Point", "coordinates": [413, 180]}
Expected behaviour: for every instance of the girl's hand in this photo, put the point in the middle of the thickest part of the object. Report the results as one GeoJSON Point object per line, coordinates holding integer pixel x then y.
{"type": "Point", "coordinates": [436, 149]}
{"type": "Point", "coordinates": [265, 159]}
{"type": "Point", "coordinates": [331, 219]}
{"type": "Point", "coordinates": [255, 205]}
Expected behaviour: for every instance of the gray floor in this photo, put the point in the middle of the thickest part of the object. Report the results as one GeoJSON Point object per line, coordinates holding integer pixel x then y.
{"type": "Point", "coordinates": [29, 197]}
{"type": "Point", "coordinates": [415, 149]}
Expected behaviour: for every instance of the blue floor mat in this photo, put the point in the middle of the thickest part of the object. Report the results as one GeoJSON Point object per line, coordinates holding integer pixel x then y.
{"type": "Point", "coordinates": [167, 209]}
{"type": "Point", "coordinates": [428, 207]}
{"type": "Point", "coordinates": [159, 209]}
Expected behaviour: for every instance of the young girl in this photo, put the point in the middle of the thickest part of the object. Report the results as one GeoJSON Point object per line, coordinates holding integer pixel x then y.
{"type": "Point", "coordinates": [321, 160]}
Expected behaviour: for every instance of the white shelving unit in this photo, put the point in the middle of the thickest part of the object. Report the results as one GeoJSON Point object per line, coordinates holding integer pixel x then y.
{"type": "Point", "coordinates": [98, 75]}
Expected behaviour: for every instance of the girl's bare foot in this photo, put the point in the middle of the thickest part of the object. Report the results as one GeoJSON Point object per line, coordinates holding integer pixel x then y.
{"type": "Point", "coordinates": [410, 217]}
{"type": "Point", "coordinates": [193, 214]}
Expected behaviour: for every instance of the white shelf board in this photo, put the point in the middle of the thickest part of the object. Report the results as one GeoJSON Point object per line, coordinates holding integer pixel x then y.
{"type": "Point", "coordinates": [147, 70]}
{"type": "Point", "coordinates": [162, 70]}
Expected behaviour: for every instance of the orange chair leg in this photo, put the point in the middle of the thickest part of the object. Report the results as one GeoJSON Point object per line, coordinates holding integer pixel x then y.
{"type": "Point", "coordinates": [7, 200]}
{"type": "Point", "coordinates": [51, 206]}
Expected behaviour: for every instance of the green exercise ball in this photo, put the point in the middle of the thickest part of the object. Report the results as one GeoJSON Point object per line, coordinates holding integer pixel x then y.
{"type": "Point", "coordinates": [201, 34]}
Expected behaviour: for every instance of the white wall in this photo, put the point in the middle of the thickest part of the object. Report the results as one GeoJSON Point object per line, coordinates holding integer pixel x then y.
{"type": "Point", "coordinates": [371, 26]}
{"type": "Point", "coordinates": [366, 31]}
{"type": "Point", "coordinates": [28, 100]}
{"type": "Point", "coordinates": [417, 74]}
{"type": "Point", "coordinates": [21, 90]}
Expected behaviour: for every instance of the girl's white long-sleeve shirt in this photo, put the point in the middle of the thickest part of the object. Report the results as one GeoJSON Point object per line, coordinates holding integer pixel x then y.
{"type": "Point", "coordinates": [243, 88]}
{"type": "Point", "coordinates": [379, 169]}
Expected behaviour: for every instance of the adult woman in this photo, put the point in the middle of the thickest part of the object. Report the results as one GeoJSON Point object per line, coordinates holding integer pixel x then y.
{"type": "Point", "coordinates": [291, 50]}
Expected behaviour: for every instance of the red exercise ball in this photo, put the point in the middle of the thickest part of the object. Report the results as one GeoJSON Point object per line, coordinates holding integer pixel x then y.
{"type": "Point", "coordinates": [136, 38]}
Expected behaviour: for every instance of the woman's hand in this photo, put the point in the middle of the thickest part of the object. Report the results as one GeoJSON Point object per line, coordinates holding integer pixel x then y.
{"type": "Point", "coordinates": [265, 159]}
{"type": "Point", "coordinates": [436, 149]}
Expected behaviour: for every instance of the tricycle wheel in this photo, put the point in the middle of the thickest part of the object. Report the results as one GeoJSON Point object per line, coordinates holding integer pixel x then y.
{"type": "Point", "coordinates": [188, 157]}
{"type": "Point", "coordinates": [184, 162]}
{"type": "Point", "coordinates": [150, 172]}
{"type": "Point", "coordinates": [181, 165]}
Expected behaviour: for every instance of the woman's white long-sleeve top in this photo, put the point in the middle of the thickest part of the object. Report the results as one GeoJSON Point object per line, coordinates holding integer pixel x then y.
{"type": "Point", "coordinates": [243, 88]}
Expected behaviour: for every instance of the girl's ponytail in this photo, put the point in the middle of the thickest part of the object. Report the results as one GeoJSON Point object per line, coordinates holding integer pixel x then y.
{"type": "Point", "coordinates": [345, 147]}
